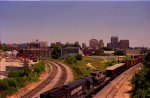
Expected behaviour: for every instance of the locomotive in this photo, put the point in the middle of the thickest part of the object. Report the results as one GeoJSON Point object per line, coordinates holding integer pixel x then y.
{"type": "Point", "coordinates": [85, 87]}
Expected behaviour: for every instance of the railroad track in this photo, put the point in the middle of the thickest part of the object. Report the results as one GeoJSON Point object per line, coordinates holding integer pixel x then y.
{"type": "Point", "coordinates": [118, 85]}
{"type": "Point", "coordinates": [44, 83]}
{"type": "Point", "coordinates": [63, 76]}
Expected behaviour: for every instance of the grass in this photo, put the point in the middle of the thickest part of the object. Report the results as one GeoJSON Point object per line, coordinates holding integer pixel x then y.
{"type": "Point", "coordinates": [80, 69]}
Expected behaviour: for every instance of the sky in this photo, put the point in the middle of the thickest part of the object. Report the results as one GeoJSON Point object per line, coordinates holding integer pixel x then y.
{"type": "Point", "coordinates": [70, 21]}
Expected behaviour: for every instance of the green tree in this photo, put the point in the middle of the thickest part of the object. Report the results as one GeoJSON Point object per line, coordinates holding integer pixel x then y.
{"type": "Point", "coordinates": [141, 81]}
{"type": "Point", "coordinates": [79, 57]}
{"type": "Point", "coordinates": [70, 60]}
{"type": "Point", "coordinates": [147, 60]}
{"type": "Point", "coordinates": [119, 52]}
{"type": "Point", "coordinates": [5, 48]}
{"type": "Point", "coordinates": [56, 53]}
{"type": "Point", "coordinates": [107, 49]}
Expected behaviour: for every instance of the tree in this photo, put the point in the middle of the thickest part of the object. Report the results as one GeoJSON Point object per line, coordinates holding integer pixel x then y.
{"type": "Point", "coordinates": [70, 60]}
{"type": "Point", "coordinates": [119, 52]}
{"type": "Point", "coordinates": [98, 52]}
{"type": "Point", "coordinates": [76, 44]}
{"type": "Point", "coordinates": [107, 49]}
{"type": "Point", "coordinates": [5, 48]}
{"type": "Point", "coordinates": [26, 66]}
{"type": "Point", "coordinates": [147, 60]}
{"type": "Point", "coordinates": [56, 53]}
{"type": "Point", "coordinates": [79, 57]}
{"type": "Point", "coordinates": [141, 81]}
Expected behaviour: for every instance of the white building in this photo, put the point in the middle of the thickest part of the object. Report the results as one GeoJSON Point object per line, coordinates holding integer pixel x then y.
{"type": "Point", "coordinates": [133, 51]}
{"type": "Point", "coordinates": [70, 51]}
{"type": "Point", "coordinates": [38, 44]}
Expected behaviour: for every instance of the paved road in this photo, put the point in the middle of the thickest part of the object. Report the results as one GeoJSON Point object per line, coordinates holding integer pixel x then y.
{"type": "Point", "coordinates": [110, 90]}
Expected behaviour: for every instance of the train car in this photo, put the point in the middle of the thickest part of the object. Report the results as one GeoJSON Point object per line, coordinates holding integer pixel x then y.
{"type": "Point", "coordinates": [76, 89]}
{"type": "Point", "coordinates": [84, 87]}
{"type": "Point", "coordinates": [114, 70]}
{"type": "Point", "coordinates": [131, 62]}
{"type": "Point", "coordinates": [59, 92]}
{"type": "Point", "coordinates": [136, 60]}
{"type": "Point", "coordinates": [141, 58]}
{"type": "Point", "coordinates": [89, 86]}
{"type": "Point", "coordinates": [98, 78]}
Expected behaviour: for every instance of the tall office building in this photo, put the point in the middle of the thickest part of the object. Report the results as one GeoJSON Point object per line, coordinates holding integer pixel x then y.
{"type": "Point", "coordinates": [114, 42]}
{"type": "Point", "coordinates": [93, 43]}
{"type": "Point", "coordinates": [100, 44]}
{"type": "Point", "coordinates": [114, 39]}
{"type": "Point", "coordinates": [124, 44]}
{"type": "Point", "coordinates": [84, 45]}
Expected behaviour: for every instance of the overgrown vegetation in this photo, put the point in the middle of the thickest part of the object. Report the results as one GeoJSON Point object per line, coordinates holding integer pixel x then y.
{"type": "Point", "coordinates": [141, 81]}
{"type": "Point", "coordinates": [83, 67]}
{"type": "Point", "coordinates": [18, 79]}
{"type": "Point", "coordinates": [119, 52]}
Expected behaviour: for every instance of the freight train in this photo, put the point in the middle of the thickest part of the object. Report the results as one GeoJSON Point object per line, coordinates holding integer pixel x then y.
{"type": "Point", "coordinates": [85, 87]}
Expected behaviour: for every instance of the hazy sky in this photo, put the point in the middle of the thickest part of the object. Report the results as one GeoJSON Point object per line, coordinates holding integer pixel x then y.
{"type": "Point", "coordinates": [75, 21]}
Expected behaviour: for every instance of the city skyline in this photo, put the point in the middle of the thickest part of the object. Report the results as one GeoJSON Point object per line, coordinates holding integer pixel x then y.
{"type": "Point", "coordinates": [75, 21]}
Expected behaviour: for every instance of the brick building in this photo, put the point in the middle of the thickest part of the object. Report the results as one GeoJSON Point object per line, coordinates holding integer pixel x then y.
{"type": "Point", "coordinates": [93, 43]}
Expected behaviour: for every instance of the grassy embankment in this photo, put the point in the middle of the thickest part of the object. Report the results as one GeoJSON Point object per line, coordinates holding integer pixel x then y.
{"type": "Point", "coordinates": [81, 69]}
{"type": "Point", "coordinates": [20, 78]}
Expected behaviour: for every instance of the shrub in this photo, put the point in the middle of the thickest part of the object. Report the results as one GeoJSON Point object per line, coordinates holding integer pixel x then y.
{"type": "Point", "coordinates": [70, 60]}
{"type": "Point", "coordinates": [141, 81]}
{"type": "Point", "coordinates": [18, 73]}
{"type": "Point", "coordinates": [39, 68]}
{"type": "Point", "coordinates": [32, 76]}
{"type": "Point", "coordinates": [79, 57]}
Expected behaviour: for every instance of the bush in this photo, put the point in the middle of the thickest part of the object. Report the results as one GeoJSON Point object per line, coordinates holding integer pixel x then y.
{"type": "Point", "coordinates": [18, 73]}
{"type": "Point", "coordinates": [19, 78]}
{"type": "Point", "coordinates": [39, 68]}
{"type": "Point", "coordinates": [79, 57]}
{"type": "Point", "coordinates": [70, 60]}
{"type": "Point", "coordinates": [119, 52]}
{"type": "Point", "coordinates": [21, 81]}
{"type": "Point", "coordinates": [33, 76]}
{"type": "Point", "coordinates": [141, 81]}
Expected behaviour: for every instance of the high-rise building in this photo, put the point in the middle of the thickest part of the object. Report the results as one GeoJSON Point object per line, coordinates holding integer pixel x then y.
{"type": "Point", "coordinates": [114, 42]}
{"type": "Point", "coordinates": [84, 45]}
{"type": "Point", "coordinates": [114, 39]}
{"type": "Point", "coordinates": [93, 43]}
{"type": "Point", "coordinates": [124, 44]}
{"type": "Point", "coordinates": [100, 44]}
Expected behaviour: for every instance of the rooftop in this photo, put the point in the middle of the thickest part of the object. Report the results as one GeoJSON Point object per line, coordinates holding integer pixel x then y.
{"type": "Point", "coordinates": [115, 66]}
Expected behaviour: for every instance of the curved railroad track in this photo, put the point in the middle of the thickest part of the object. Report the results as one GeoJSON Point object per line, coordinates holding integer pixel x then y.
{"type": "Point", "coordinates": [118, 85]}
{"type": "Point", "coordinates": [44, 83]}
{"type": "Point", "coordinates": [63, 76]}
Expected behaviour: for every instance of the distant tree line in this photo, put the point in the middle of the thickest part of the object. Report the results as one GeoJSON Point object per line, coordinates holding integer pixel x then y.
{"type": "Point", "coordinates": [56, 53]}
